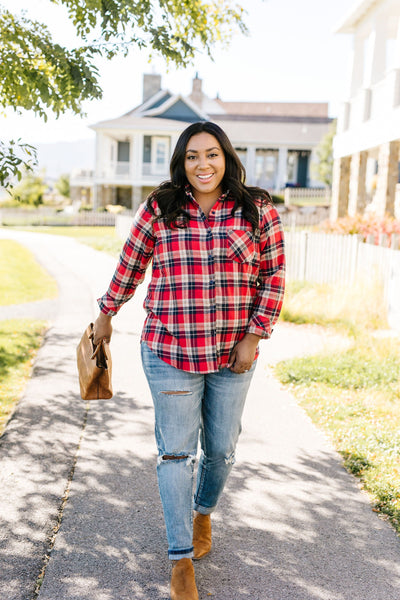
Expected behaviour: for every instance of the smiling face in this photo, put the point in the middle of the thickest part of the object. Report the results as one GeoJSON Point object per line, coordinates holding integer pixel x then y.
{"type": "Point", "coordinates": [205, 166]}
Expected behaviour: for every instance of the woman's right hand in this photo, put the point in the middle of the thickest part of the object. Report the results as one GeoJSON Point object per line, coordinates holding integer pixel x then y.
{"type": "Point", "coordinates": [102, 329]}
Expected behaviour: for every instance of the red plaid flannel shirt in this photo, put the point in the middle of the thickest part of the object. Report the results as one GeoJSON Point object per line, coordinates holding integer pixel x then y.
{"type": "Point", "coordinates": [212, 281]}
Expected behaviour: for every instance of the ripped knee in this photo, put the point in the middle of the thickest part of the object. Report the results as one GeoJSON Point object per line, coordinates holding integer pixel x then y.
{"type": "Point", "coordinates": [176, 392]}
{"type": "Point", "coordinates": [173, 457]}
{"type": "Point", "coordinates": [189, 458]}
{"type": "Point", "coordinates": [230, 459]}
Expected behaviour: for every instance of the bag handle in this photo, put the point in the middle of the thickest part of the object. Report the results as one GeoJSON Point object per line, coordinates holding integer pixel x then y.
{"type": "Point", "coordinates": [100, 345]}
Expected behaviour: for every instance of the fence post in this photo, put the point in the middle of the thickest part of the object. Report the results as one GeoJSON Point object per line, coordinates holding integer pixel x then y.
{"type": "Point", "coordinates": [370, 239]}
{"type": "Point", "coordinates": [393, 292]}
{"type": "Point", "coordinates": [394, 240]}
{"type": "Point", "coordinates": [328, 195]}
{"type": "Point", "coordinates": [293, 221]}
{"type": "Point", "coordinates": [303, 255]}
{"type": "Point", "coordinates": [287, 196]}
{"type": "Point", "coordinates": [383, 240]}
{"type": "Point", "coordinates": [358, 240]}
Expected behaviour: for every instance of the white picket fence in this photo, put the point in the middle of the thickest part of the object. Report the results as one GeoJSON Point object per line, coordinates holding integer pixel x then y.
{"type": "Point", "coordinates": [334, 258]}
{"type": "Point", "coordinates": [49, 216]}
{"type": "Point", "coordinates": [318, 195]}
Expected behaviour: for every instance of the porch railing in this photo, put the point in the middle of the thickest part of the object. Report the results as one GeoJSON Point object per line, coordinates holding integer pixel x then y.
{"type": "Point", "coordinates": [295, 195]}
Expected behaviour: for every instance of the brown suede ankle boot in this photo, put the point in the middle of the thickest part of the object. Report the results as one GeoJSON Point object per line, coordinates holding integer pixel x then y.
{"type": "Point", "coordinates": [201, 535]}
{"type": "Point", "coordinates": [183, 584]}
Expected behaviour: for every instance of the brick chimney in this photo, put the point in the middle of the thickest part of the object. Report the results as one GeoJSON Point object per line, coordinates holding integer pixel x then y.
{"type": "Point", "coordinates": [197, 95]}
{"type": "Point", "coordinates": [151, 85]}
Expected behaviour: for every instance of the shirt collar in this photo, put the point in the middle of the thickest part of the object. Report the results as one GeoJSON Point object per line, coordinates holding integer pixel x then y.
{"type": "Point", "coordinates": [188, 192]}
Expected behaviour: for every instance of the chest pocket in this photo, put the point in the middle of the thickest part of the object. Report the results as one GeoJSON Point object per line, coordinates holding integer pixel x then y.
{"type": "Point", "coordinates": [241, 246]}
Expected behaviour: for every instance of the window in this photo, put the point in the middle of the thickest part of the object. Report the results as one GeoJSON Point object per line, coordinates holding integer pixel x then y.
{"type": "Point", "coordinates": [242, 154]}
{"type": "Point", "coordinates": [123, 152]}
{"type": "Point", "coordinates": [391, 58]}
{"type": "Point", "coordinates": [292, 166]}
{"type": "Point", "coordinates": [147, 149]}
{"type": "Point", "coordinates": [368, 52]}
{"type": "Point", "coordinates": [266, 167]}
{"type": "Point", "coordinates": [160, 154]}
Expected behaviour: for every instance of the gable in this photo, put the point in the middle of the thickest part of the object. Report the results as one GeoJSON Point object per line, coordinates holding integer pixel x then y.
{"type": "Point", "coordinates": [180, 111]}
{"type": "Point", "coordinates": [160, 101]}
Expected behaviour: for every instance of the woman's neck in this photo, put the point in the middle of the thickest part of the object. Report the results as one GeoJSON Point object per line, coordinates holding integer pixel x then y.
{"type": "Point", "coordinates": [207, 201]}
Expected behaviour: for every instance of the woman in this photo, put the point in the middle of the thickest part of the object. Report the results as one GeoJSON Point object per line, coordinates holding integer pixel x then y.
{"type": "Point", "coordinates": [216, 290]}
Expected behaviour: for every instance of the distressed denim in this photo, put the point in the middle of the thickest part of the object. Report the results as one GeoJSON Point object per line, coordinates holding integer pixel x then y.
{"type": "Point", "coordinates": [186, 405]}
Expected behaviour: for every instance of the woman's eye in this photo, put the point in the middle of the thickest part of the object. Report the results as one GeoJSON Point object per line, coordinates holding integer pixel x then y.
{"type": "Point", "coordinates": [190, 157]}
{"type": "Point", "coordinates": [213, 155]}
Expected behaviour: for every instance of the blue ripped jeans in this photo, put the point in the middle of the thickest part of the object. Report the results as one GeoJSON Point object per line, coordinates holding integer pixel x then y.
{"type": "Point", "coordinates": [186, 404]}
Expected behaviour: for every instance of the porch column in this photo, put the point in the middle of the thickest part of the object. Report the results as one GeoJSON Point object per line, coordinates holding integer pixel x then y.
{"type": "Point", "coordinates": [136, 197]}
{"type": "Point", "coordinates": [251, 165]}
{"type": "Point", "coordinates": [96, 196]}
{"type": "Point", "coordinates": [104, 161]}
{"type": "Point", "coordinates": [387, 178]}
{"type": "Point", "coordinates": [281, 175]}
{"type": "Point", "coordinates": [357, 64]}
{"type": "Point", "coordinates": [396, 70]}
{"type": "Point", "coordinates": [136, 157]}
{"type": "Point", "coordinates": [340, 187]}
{"type": "Point", "coordinates": [374, 59]}
{"type": "Point", "coordinates": [357, 186]}
{"type": "Point", "coordinates": [174, 139]}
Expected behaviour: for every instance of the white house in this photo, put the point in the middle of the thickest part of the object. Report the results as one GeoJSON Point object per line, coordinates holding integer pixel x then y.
{"type": "Point", "coordinates": [366, 148]}
{"type": "Point", "coordinates": [275, 142]}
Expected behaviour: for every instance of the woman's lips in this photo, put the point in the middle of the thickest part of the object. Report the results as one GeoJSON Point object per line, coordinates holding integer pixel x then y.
{"type": "Point", "coordinates": [205, 178]}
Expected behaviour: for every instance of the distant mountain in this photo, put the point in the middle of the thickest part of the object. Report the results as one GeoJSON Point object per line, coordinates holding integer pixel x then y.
{"type": "Point", "coordinates": [62, 157]}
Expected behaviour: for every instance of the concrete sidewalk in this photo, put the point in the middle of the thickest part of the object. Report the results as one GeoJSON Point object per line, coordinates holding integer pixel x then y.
{"type": "Point", "coordinates": [292, 525]}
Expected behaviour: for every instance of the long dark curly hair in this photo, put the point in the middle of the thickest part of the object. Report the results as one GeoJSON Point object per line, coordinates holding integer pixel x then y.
{"type": "Point", "coordinates": [171, 197]}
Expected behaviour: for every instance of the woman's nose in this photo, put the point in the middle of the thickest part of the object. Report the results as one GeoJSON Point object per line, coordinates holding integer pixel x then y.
{"type": "Point", "coordinates": [203, 162]}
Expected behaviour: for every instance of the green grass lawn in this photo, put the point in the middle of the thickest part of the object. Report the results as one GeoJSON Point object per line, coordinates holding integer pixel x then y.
{"type": "Point", "coordinates": [354, 396]}
{"type": "Point", "coordinates": [351, 309]}
{"type": "Point", "coordinates": [22, 278]}
{"type": "Point", "coordinates": [99, 238]}
{"type": "Point", "coordinates": [19, 342]}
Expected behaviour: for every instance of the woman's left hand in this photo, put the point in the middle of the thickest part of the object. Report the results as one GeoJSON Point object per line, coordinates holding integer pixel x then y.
{"type": "Point", "coordinates": [242, 356]}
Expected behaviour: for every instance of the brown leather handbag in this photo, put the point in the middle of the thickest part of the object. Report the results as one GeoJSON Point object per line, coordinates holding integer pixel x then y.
{"type": "Point", "coordinates": [94, 367]}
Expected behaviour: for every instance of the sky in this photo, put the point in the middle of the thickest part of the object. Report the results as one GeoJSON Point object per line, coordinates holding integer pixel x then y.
{"type": "Point", "coordinates": [291, 54]}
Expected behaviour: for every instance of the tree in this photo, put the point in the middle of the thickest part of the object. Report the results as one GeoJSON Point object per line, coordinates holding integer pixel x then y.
{"type": "Point", "coordinates": [62, 185]}
{"type": "Point", "coordinates": [322, 168]}
{"type": "Point", "coordinates": [15, 156]}
{"type": "Point", "coordinates": [30, 190]}
{"type": "Point", "coordinates": [40, 75]}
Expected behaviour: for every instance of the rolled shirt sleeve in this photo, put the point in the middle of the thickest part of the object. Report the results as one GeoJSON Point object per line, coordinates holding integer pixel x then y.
{"type": "Point", "coordinates": [133, 262]}
{"type": "Point", "coordinates": [271, 283]}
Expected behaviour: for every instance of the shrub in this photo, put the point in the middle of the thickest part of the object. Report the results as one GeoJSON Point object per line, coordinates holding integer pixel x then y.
{"type": "Point", "coordinates": [30, 189]}
{"type": "Point", "coordinates": [115, 209]}
{"type": "Point", "coordinates": [364, 226]}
